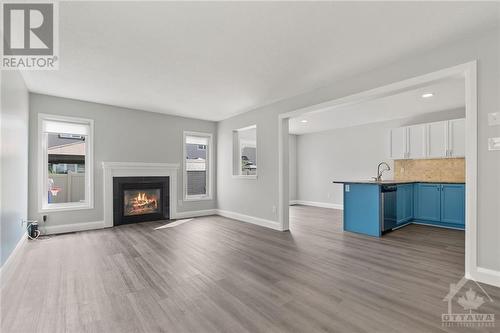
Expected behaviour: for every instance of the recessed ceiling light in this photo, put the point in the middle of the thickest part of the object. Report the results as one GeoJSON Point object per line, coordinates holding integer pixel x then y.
{"type": "Point", "coordinates": [303, 121]}
{"type": "Point", "coordinates": [427, 95]}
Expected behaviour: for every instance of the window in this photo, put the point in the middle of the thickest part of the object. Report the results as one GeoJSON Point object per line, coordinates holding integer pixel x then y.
{"type": "Point", "coordinates": [197, 166]}
{"type": "Point", "coordinates": [245, 152]}
{"type": "Point", "coordinates": [65, 179]}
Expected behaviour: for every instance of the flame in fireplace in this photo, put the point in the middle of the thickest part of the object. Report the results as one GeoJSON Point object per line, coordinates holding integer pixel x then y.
{"type": "Point", "coordinates": [143, 203]}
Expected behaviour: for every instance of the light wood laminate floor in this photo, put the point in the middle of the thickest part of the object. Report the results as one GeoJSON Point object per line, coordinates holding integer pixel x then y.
{"type": "Point", "coordinates": [214, 274]}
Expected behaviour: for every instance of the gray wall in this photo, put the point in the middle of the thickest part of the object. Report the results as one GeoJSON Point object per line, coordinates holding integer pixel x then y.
{"type": "Point", "coordinates": [348, 153]}
{"type": "Point", "coordinates": [262, 193]}
{"type": "Point", "coordinates": [14, 161]}
{"type": "Point", "coordinates": [120, 135]}
{"type": "Point", "coordinates": [254, 197]}
{"type": "Point", "coordinates": [292, 158]}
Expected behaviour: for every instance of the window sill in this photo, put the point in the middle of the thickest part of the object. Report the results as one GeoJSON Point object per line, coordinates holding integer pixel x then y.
{"type": "Point", "coordinates": [198, 198]}
{"type": "Point", "coordinates": [245, 176]}
{"type": "Point", "coordinates": [65, 207]}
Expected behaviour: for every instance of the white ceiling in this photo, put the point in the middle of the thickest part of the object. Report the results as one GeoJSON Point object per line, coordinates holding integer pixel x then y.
{"type": "Point", "coordinates": [448, 94]}
{"type": "Point", "coordinates": [211, 60]}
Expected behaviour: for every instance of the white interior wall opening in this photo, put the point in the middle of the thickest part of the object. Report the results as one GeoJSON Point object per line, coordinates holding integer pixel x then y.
{"type": "Point", "coordinates": [347, 143]}
{"type": "Point", "coordinates": [465, 71]}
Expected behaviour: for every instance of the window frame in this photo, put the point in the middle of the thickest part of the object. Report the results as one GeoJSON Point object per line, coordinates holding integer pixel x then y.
{"type": "Point", "coordinates": [237, 149]}
{"type": "Point", "coordinates": [209, 165]}
{"type": "Point", "coordinates": [42, 163]}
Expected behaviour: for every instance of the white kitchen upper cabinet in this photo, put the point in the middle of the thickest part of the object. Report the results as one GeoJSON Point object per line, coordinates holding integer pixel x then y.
{"type": "Point", "coordinates": [437, 139]}
{"type": "Point", "coordinates": [398, 143]}
{"type": "Point", "coordinates": [456, 138]}
{"type": "Point", "coordinates": [432, 140]}
{"type": "Point", "coordinates": [417, 141]}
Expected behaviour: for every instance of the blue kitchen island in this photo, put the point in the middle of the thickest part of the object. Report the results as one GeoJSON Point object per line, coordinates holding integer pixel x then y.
{"type": "Point", "coordinates": [375, 207]}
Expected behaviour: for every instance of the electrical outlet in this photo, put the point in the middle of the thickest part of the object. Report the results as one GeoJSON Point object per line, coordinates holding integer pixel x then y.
{"type": "Point", "coordinates": [328, 195]}
{"type": "Point", "coordinates": [274, 209]}
{"type": "Point", "coordinates": [347, 188]}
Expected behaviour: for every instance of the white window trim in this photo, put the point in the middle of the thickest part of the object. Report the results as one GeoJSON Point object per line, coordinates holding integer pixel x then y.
{"type": "Point", "coordinates": [245, 176]}
{"type": "Point", "coordinates": [43, 205]}
{"type": "Point", "coordinates": [238, 158]}
{"type": "Point", "coordinates": [210, 173]}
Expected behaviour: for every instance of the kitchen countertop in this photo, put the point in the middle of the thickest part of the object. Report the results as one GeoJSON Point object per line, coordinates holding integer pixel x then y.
{"type": "Point", "coordinates": [390, 182]}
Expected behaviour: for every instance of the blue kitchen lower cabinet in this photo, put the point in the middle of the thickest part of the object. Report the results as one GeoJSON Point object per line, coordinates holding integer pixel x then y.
{"type": "Point", "coordinates": [453, 204]}
{"type": "Point", "coordinates": [362, 209]}
{"type": "Point", "coordinates": [404, 203]}
{"type": "Point", "coordinates": [428, 202]}
{"type": "Point", "coordinates": [440, 204]}
{"type": "Point", "coordinates": [367, 208]}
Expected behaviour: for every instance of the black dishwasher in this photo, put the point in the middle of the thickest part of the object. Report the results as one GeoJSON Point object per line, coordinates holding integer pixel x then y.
{"type": "Point", "coordinates": [388, 207]}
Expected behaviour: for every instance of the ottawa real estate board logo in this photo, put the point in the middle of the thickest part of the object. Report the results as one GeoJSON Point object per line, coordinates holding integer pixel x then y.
{"type": "Point", "coordinates": [470, 296]}
{"type": "Point", "coordinates": [30, 36]}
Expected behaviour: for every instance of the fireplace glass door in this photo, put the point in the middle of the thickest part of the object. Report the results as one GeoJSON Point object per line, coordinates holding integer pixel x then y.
{"type": "Point", "coordinates": [139, 202]}
{"type": "Point", "coordinates": [140, 199]}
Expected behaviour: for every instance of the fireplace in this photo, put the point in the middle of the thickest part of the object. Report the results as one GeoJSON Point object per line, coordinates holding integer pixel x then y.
{"type": "Point", "coordinates": [140, 199]}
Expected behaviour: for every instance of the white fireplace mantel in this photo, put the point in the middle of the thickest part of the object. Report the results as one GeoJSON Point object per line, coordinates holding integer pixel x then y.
{"type": "Point", "coordinates": [137, 169]}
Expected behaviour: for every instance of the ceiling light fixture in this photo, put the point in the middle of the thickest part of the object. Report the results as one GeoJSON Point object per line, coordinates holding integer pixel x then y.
{"type": "Point", "coordinates": [427, 95]}
{"type": "Point", "coordinates": [303, 121]}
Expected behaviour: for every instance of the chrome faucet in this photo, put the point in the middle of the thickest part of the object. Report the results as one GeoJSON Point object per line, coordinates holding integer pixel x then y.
{"type": "Point", "coordinates": [380, 172]}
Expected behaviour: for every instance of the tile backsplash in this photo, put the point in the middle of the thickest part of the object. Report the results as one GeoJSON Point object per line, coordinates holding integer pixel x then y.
{"type": "Point", "coordinates": [438, 170]}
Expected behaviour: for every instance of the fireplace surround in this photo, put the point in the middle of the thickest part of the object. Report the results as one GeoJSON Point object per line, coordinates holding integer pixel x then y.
{"type": "Point", "coordinates": [140, 199]}
{"type": "Point", "coordinates": [138, 169]}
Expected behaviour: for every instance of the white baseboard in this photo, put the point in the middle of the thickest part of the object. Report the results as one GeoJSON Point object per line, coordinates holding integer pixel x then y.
{"type": "Point", "coordinates": [5, 267]}
{"type": "Point", "coordinates": [437, 226]}
{"type": "Point", "coordinates": [293, 202]}
{"type": "Point", "coordinates": [64, 228]}
{"type": "Point", "coordinates": [195, 213]}
{"type": "Point", "coordinates": [250, 219]}
{"type": "Point", "coordinates": [319, 204]}
{"type": "Point", "coordinates": [59, 229]}
{"type": "Point", "coordinates": [486, 275]}
{"type": "Point", "coordinates": [73, 227]}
